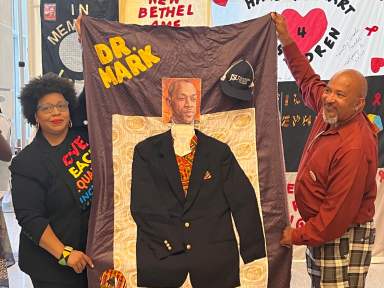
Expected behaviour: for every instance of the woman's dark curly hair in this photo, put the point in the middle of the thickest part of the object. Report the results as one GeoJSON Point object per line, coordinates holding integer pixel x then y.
{"type": "Point", "coordinates": [40, 86]}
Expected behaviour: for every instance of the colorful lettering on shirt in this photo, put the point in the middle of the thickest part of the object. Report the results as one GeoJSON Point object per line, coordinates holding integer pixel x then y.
{"type": "Point", "coordinates": [78, 163]}
{"type": "Point", "coordinates": [77, 143]}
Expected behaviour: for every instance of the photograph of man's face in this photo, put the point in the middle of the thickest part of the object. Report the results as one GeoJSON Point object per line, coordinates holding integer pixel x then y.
{"type": "Point", "coordinates": [181, 100]}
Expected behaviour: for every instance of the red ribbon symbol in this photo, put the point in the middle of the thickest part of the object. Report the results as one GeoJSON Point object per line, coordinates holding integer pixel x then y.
{"type": "Point", "coordinates": [372, 29]}
{"type": "Point", "coordinates": [381, 175]}
{"type": "Point", "coordinates": [376, 99]}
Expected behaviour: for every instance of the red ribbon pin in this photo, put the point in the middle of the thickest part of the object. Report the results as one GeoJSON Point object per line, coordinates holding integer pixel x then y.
{"type": "Point", "coordinates": [371, 29]}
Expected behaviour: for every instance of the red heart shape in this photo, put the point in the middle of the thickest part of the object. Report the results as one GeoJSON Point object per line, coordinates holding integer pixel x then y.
{"type": "Point", "coordinates": [307, 30]}
{"type": "Point", "coordinates": [221, 2]}
{"type": "Point", "coordinates": [376, 64]}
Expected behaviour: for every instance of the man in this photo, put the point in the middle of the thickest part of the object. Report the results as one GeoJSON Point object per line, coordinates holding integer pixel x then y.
{"type": "Point", "coordinates": [335, 186]}
{"type": "Point", "coordinates": [182, 96]}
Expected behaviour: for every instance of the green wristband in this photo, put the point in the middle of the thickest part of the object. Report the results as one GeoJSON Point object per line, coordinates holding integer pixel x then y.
{"type": "Point", "coordinates": [65, 255]}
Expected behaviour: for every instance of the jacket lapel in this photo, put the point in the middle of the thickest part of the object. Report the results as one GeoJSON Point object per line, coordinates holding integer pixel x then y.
{"type": "Point", "coordinates": [169, 163]}
{"type": "Point", "coordinates": [199, 167]}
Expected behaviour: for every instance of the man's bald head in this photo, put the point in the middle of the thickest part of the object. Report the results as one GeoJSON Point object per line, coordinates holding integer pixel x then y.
{"type": "Point", "coordinates": [357, 80]}
{"type": "Point", "coordinates": [344, 96]}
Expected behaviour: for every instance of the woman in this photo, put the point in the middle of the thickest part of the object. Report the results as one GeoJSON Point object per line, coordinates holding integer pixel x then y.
{"type": "Point", "coordinates": [52, 187]}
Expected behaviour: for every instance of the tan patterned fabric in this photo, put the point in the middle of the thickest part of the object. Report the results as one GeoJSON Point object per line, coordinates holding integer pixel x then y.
{"type": "Point", "coordinates": [3, 273]}
{"type": "Point", "coordinates": [236, 128]}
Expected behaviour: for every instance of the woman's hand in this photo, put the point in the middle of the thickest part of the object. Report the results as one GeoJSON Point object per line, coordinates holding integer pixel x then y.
{"type": "Point", "coordinates": [77, 26]}
{"type": "Point", "coordinates": [77, 260]}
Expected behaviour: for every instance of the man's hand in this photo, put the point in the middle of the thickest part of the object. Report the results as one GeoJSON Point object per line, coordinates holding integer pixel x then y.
{"type": "Point", "coordinates": [77, 260]}
{"type": "Point", "coordinates": [286, 237]}
{"type": "Point", "coordinates": [281, 29]}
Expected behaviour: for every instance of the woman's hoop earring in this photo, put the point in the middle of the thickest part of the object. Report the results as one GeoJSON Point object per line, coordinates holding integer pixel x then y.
{"type": "Point", "coordinates": [70, 123]}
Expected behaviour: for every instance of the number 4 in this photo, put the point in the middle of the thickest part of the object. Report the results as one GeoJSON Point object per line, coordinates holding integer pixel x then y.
{"type": "Point", "coordinates": [301, 31]}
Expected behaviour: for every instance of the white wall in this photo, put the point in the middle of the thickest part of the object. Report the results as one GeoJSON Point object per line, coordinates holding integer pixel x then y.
{"type": "Point", "coordinates": [6, 58]}
{"type": "Point", "coordinates": [34, 38]}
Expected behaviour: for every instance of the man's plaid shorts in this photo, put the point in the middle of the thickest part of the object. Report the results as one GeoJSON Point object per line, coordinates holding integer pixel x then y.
{"type": "Point", "coordinates": [343, 262]}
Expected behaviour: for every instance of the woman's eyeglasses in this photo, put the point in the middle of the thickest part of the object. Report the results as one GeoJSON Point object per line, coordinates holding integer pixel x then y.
{"type": "Point", "coordinates": [48, 108]}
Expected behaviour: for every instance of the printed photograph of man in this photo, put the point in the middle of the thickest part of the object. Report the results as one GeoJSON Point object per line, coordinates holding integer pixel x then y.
{"type": "Point", "coordinates": [181, 100]}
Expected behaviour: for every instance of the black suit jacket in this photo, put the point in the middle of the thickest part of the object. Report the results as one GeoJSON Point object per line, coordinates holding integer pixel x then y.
{"type": "Point", "coordinates": [42, 195]}
{"type": "Point", "coordinates": [193, 234]}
